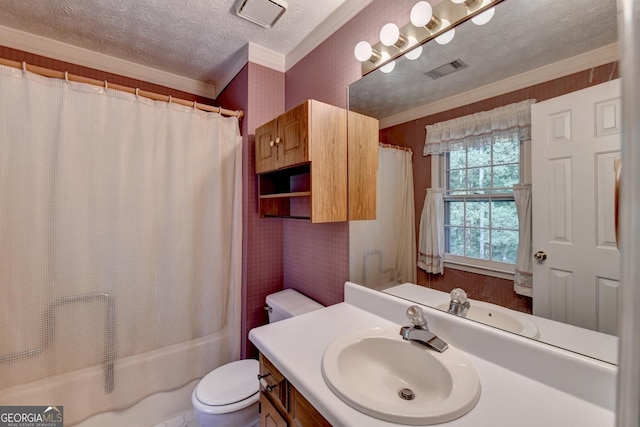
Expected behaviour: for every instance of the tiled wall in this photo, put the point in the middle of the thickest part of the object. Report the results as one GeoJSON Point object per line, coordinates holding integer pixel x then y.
{"type": "Point", "coordinates": [412, 134]}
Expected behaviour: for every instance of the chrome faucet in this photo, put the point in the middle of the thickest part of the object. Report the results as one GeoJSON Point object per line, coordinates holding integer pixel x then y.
{"type": "Point", "coordinates": [420, 332]}
{"type": "Point", "coordinates": [459, 304]}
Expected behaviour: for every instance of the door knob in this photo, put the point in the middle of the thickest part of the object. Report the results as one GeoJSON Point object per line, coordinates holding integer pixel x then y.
{"type": "Point", "coordinates": [540, 256]}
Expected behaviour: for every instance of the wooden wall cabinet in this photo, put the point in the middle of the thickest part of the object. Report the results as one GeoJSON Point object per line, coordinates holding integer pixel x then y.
{"type": "Point", "coordinates": [281, 405]}
{"type": "Point", "coordinates": [284, 141]}
{"type": "Point", "coordinates": [303, 164]}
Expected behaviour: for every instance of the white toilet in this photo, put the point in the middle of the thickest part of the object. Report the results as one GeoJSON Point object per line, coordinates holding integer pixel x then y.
{"type": "Point", "coordinates": [228, 396]}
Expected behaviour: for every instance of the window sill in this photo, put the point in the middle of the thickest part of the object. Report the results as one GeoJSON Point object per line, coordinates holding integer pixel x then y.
{"type": "Point", "coordinates": [485, 271]}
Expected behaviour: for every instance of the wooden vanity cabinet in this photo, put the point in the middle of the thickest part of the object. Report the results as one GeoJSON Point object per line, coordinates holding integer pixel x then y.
{"type": "Point", "coordinates": [281, 405]}
{"type": "Point", "coordinates": [301, 160]}
{"type": "Point", "coordinates": [269, 414]}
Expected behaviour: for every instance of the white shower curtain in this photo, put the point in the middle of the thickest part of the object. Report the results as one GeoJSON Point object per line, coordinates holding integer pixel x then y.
{"type": "Point", "coordinates": [104, 193]}
{"type": "Point", "coordinates": [382, 251]}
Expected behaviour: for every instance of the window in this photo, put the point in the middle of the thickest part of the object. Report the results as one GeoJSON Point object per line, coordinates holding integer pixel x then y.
{"type": "Point", "coordinates": [472, 220]}
{"type": "Point", "coordinates": [481, 221]}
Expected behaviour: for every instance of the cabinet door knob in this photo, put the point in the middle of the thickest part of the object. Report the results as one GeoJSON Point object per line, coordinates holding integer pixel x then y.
{"type": "Point", "coordinates": [278, 140]}
{"type": "Point", "coordinates": [272, 143]}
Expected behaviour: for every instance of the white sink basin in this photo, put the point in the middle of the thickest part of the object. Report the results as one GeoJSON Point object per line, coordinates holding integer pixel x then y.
{"type": "Point", "coordinates": [369, 369]}
{"type": "Point", "coordinates": [499, 317]}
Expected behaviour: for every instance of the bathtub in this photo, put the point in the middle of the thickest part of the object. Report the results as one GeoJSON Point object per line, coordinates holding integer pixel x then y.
{"type": "Point", "coordinates": [169, 373]}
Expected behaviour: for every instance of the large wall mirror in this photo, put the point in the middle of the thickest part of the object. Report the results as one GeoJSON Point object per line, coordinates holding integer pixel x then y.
{"type": "Point", "coordinates": [544, 50]}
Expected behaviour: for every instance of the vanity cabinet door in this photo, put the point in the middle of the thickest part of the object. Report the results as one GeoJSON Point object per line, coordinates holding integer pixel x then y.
{"type": "Point", "coordinates": [304, 414]}
{"type": "Point", "coordinates": [269, 415]}
{"type": "Point", "coordinates": [275, 384]}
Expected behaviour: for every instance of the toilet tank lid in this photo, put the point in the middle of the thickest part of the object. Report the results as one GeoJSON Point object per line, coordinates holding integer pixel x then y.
{"type": "Point", "coordinates": [292, 302]}
{"type": "Point", "coordinates": [230, 383]}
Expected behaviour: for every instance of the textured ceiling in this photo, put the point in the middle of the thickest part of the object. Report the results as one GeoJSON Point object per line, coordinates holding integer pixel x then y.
{"type": "Point", "coordinates": [522, 36]}
{"type": "Point", "coordinates": [197, 39]}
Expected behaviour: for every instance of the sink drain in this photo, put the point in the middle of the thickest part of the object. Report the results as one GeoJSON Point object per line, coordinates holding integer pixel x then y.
{"type": "Point", "coordinates": [406, 394]}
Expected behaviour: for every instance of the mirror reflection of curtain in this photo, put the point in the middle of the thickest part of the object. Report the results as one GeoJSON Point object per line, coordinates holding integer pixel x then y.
{"type": "Point", "coordinates": [382, 251]}
{"type": "Point", "coordinates": [431, 244]}
{"type": "Point", "coordinates": [523, 282]}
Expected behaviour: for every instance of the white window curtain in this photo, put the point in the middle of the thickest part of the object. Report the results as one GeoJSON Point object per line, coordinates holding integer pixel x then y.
{"type": "Point", "coordinates": [382, 251]}
{"type": "Point", "coordinates": [507, 123]}
{"type": "Point", "coordinates": [116, 211]}
{"type": "Point", "coordinates": [523, 282]}
{"type": "Point", "coordinates": [431, 244]}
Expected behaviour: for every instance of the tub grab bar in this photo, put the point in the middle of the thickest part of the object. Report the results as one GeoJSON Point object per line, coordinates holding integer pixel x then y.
{"type": "Point", "coordinates": [50, 323]}
{"type": "Point", "coordinates": [381, 271]}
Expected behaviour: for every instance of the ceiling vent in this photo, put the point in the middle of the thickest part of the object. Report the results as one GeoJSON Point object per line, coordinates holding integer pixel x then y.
{"type": "Point", "coordinates": [446, 69]}
{"type": "Point", "coordinates": [262, 12]}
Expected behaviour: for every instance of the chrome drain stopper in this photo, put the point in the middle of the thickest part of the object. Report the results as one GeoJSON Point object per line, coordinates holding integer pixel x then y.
{"type": "Point", "coordinates": [406, 394]}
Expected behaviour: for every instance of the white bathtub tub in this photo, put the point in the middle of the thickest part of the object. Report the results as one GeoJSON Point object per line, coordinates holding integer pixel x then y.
{"type": "Point", "coordinates": [149, 387]}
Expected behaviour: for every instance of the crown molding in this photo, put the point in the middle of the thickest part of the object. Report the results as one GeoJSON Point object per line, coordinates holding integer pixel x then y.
{"type": "Point", "coordinates": [333, 23]}
{"type": "Point", "coordinates": [256, 54]}
{"type": "Point", "coordinates": [43, 46]}
{"type": "Point", "coordinates": [594, 58]}
{"type": "Point", "coordinates": [266, 57]}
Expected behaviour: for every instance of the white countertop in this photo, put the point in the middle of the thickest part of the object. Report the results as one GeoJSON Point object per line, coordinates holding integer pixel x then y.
{"type": "Point", "coordinates": [296, 345]}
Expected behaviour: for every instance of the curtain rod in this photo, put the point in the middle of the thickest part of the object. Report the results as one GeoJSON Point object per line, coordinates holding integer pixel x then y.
{"type": "Point", "coordinates": [47, 72]}
{"type": "Point", "coordinates": [397, 147]}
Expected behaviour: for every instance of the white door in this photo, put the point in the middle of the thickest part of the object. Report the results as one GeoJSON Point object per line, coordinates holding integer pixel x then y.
{"type": "Point", "coordinates": [575, 141]}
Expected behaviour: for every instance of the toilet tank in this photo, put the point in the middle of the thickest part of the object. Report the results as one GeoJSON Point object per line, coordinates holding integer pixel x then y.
{"type": "Point", "coordinates": [288, 303]}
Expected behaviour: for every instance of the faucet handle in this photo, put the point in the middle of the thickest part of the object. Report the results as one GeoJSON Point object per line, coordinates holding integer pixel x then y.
{"type": "Point", "coordinates": [416, 315]}
{"type": "Point", "coordinates": [459, 295]}
{"type": "Point", "coordinates": [459, 304]}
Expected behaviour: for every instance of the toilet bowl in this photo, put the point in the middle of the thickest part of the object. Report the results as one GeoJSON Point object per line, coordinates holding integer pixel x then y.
{"type": "Point", "coordinates": [228, 396]}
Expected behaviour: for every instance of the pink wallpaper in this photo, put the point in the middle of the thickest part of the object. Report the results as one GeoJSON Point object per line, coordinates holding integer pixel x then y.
{"type": "Point", "coordinates": [259, 92]}
{"type": "Point", "coordinates": [316, 256]}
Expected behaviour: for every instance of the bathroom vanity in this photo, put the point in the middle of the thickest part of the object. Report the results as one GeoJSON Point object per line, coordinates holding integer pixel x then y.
{"type": "Point", "coordinates": [523, 382]}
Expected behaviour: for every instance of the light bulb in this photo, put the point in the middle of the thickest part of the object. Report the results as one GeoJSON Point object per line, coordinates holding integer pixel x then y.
{"type": "Point", "coordinates": [387, 68]}
{"type": "Point", "coordinates": [389, 34]}
{"type": "Point", "coordinates": [363, 51]}
{"type": "Point", "coordinates": [415, 52]}
{"type": "Point", "coordinates": [484, 17]}
{"type": "Point", "coordinates": [457, 1]}
{"type": "Point", "coordinates": [421, 14]}
{"type": "Point", "coordinates": [447, 36]}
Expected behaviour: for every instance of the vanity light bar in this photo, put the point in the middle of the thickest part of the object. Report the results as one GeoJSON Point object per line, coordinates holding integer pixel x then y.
{"type": "Point", "coordinates": [445, 16]}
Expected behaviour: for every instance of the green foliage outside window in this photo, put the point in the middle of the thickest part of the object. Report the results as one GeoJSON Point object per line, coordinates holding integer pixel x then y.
{"type": "Point", "coordinates": [480, 214]}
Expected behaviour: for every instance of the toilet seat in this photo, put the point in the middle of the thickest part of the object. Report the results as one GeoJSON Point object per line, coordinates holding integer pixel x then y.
{"type": "Point", "coordinates": [228, 388]}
